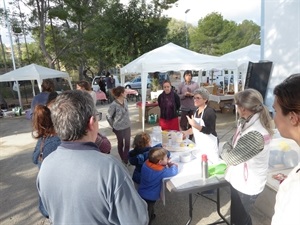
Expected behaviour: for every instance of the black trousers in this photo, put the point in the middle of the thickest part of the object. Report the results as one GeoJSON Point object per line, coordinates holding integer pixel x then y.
{"type": "Point", "coordinates": [241, 206]}
{"type": "Point", "coordinates": [150, 210]}
{"type": "Point", "coordinates": [123, 137]}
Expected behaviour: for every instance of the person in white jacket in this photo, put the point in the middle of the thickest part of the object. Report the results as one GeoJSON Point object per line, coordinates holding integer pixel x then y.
{"type": "Point", "coordinates": [247, 155]}
{"type": "Point", "coordinates": [287, 120]}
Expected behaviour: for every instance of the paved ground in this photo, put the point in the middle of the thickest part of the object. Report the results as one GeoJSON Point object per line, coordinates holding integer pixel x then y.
{"type": "Point", "coordinates": [18, 195]}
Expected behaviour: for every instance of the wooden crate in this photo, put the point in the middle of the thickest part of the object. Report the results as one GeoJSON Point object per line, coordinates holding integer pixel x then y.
{"type": "Point", "coordinates": [227, 110]}
{"type": "Point", "coordinates": [214, 105]}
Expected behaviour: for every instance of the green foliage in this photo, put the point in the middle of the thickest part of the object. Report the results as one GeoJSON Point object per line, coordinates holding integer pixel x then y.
{"type": "Point", "coordinates": [216, 36]}
{"type": "Point", "coordinates": [155, 84]}
{"type": "Point", "coordinates": [125, 33]}
{"type": "Point", "coordinates": [58, 12]}
{"type": "Point", "coordinates": [76, 34]}
{"type": "Point", "coordinates": [176, 32]}
{"type": "Point", "coordinates": [97, 33]}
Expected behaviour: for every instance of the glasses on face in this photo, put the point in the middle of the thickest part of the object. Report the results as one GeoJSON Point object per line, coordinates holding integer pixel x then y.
{"type": "Point", "coordinates": [98, 115]}
{"type": "Point", "coordinates": [197, 98]}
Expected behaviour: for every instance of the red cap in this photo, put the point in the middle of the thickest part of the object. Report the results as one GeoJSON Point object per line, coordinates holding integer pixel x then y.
{"type": "Point", "coordinates": [204, 157]}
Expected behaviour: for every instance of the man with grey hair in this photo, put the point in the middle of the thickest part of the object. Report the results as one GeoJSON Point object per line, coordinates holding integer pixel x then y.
{"type": "Point", "coordinates": [77, 183]}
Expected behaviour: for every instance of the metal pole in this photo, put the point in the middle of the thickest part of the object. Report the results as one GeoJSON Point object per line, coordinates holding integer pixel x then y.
{"type": "Point", "coordinates": [12, 50]}
{"type": "Point", "coordinates": [262, 30]}
{"type": "Point", "coordinates": [186, 31]}
{"type": "Point", "coordinates": [10, 37]}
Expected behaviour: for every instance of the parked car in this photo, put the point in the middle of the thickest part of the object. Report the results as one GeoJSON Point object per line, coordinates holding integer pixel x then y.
{"type": "Point", "coordinates": [95, 85]}
{"type": "Point", "coordinates": [136, 83]}
{"type": "Point", "coordinates": [162, 77]}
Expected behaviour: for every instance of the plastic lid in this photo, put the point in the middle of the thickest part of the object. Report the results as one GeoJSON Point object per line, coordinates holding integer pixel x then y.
{"type": "Point", "coordinates": [204, 157]}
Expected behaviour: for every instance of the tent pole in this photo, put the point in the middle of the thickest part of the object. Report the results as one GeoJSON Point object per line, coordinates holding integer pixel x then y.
{"type": "Point", "coordinates": [19, 95]}
{"type": "Point", "coordinates": [69, 80]}
{"type": "Point", "coordinates": [32, 85]}
{"type": "Point", "coordinates": [144, 77]}
{"type": "Point", "coordinates": [12, 51]}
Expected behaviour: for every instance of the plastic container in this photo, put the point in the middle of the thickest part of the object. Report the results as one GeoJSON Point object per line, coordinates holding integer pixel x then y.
{"type": "Point", "coordinates": [176, 137]}
{"type": "Point", "coordinates": [204, 167]}
{"type": "Point", "coordinates": [152, 118]}
{"type": "Point", "coordinates": [186, 157]}
{"type": "Point", "coordinates": [165, 137]}
{"type": "Point", "coordinates": [156, 135]}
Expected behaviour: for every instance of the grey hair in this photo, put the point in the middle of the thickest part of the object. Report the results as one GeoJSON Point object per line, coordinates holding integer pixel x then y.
{"type": "Point", "coordinates": [252, 100]}
{"type": "Point", "coordinates": [70, 114]}
{"type": "Point", "coordinates": [203, 92]}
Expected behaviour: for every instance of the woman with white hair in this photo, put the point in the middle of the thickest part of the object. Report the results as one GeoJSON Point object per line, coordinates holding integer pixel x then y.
{"type": "Point", "coordinates": [247, 154]}
{"type": "Point", "coordinates": [203, 125]}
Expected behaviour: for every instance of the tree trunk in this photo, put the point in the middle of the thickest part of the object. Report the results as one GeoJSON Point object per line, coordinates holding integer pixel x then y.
{"type": "Point", "coordinates": [42, 14]}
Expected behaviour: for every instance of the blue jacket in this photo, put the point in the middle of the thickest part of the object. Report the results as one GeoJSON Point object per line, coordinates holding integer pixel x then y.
{"type": "Point", "coordinates": [151, 179]}
{"type": "Point", "coordinates": [137, 157]}
{"type": "Point", "coordinates": [50, 145]}
{"type": "Point", "coordinates": [39, 99]}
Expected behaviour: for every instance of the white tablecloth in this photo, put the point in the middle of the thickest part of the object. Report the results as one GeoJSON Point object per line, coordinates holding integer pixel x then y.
{"type": "Point", "coordinates": [189, 175]}
{"type": "Point", "coordinates": [218, 98]}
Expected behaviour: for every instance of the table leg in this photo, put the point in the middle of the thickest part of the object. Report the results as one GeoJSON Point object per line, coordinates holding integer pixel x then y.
{"type": "Point", "coordinates": [190, 209]}
{"type": "Point", "coordinates": [218, 208]}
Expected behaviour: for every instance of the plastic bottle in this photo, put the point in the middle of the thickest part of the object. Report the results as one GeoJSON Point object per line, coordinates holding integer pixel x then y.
{"type": "Point", "coordinates": [204, 167]}
{"type": "Point", "coordinates": [156, 135]}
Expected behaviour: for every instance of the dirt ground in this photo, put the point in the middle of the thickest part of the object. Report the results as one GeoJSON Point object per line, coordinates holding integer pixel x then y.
{"type": "Point", "coordinates": [18, 194]}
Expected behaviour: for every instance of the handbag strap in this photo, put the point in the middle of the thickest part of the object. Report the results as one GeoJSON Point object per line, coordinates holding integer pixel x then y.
{"type": "Point", "coordinates": [41, 149]}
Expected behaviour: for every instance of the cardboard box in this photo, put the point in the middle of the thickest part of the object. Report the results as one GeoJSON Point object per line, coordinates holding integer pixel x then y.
{"type": "Point", "coordinates": [227, 110]}
{"type": "Point", "coordinates": [214, 105]}
{"type": "Point", "coordinates": [226, 103]}
{"type": "Point", "coordinates": [148, 111]}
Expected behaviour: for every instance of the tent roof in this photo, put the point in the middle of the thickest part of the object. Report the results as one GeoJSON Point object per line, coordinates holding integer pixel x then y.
{"type": "Point", "coordinates": [174, 57]}
{"type": "Point", "coordinates": [32, 72]}
{"type": "Point", "coordinates": [243, 55]}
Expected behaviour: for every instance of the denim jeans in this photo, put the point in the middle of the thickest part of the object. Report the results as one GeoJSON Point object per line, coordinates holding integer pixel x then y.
{"type": "Point", "coordinates": [241, 206]}
{"type": "Point", "coordinates": [42, 208]}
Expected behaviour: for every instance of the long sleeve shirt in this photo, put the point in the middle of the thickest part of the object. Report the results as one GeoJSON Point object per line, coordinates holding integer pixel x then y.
{"type": "Point", "coordinates": [80, 185]}
{"type": "Point", "coordinates": [187, 102]}
{"type": "Point", "coordinates": [118, 115]}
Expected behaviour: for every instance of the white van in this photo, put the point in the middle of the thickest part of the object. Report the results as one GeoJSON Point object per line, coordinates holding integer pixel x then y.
{"type": "Point", "coordinates": [95, 85]}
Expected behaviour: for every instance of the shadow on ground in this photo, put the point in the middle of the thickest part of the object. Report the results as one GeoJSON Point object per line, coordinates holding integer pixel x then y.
{"type": "Point", "coordinates": [19, 198]}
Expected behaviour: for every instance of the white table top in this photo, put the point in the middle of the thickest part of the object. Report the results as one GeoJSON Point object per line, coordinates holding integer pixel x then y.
{"type": "Point", "coordinates": [189, 175]}
{"type": "Point", "coordinates": [188, 172]}
{"type": "Point", "coordinates": [189, 178]}
{"type": "Point", "coordinates": [218, 98]}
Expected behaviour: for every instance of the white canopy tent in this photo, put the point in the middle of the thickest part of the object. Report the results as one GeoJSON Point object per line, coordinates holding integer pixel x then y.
{"type": "Point", "coordinates": [171, 57]}
{"type": "Point", "coordinates": [33, 72]}
{"type": "Point", "coordinates": [242, 57]}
